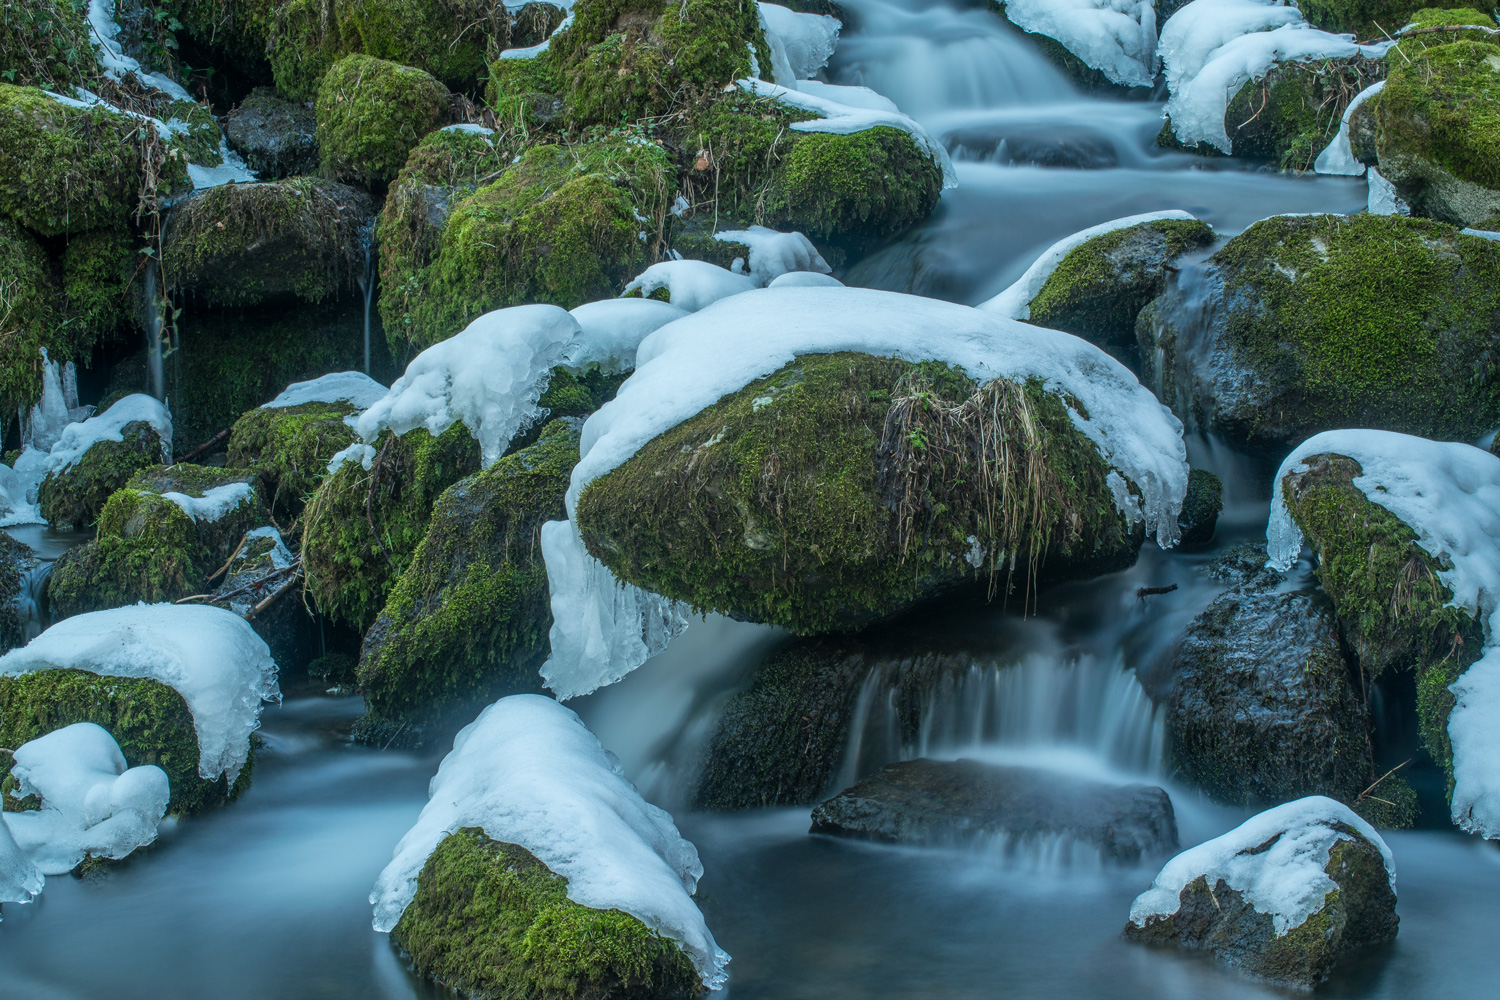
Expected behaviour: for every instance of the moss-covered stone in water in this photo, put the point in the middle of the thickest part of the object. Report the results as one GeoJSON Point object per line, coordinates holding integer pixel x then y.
{"type": "Point", "coordinates": [811, 498]}
{"type": "Point", "coordinates": [467, 622]}
{"type": "Point", "coordinates": [560, 226]}
{"type": "Point", "coordinates": [371, 113]}
{"type": "Point", "coordinates": [46, 43]}
{"type": "Point", "coordinates": [243, 244]}
{"type": "Point", "coordinates": [1438, 129]}
{"type": "Point", "coordinates": [1370, 19]}
{"type": "Point", "coordinates": [1200, 508]}
{"type": "Point", "coordinates": [74, 496]}
{"type": "Point", "coordinates": [1100, 287]}
{"type": "Point", "coordinates": [28, 316]}
{"type": "Point", "coordinates": [289, 447]}
{"type": "Point", "coordinates": [362, 527]}
{"type": "Point", "coordinates": [148, 719]}
{"type": "Point", "coordinates": [490, 919]}
{"type": "Point", "coordinates": [1392, 608]}
{"type": "Point", "coordinates": [1331, 321]}
{"type": "Point", "coordinates": [65, 169]}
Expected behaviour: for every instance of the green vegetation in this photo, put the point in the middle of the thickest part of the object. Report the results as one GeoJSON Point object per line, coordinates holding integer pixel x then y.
{"type": "Point", "coordinates": [46, 43]}
{"type": "Point", "coordinates": [28, 316]}
{"type": "Point", "coordinates": [1371, 19]}
{"type": "Point", "coordinates": [1290, 115]}
{"type": "Point", "coordinates": [371, 113]}
{"type": "Point", "coordinates": [289, 448]}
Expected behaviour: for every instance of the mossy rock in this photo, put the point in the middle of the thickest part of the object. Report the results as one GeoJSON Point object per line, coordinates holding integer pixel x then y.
{"type": "Point", "coordinates": [29, 305]}
{"type": "Point", "coordinates": [1200, 509]}
{"type": "Point", "coordinates": [1359, 911]}
{"type": "Point", "coordinates": [794, 501]}
{"type": "Point", "coordinates": [363, 527]}
{"type": "Point", "coordinates": [489, 919]}
{"type": "Point", "coordinates": [1290, 115]}
{"type": "Point", "coordinates": [467, 622]}
{"type": "Point", "coordinates": [246, 244]}
{"type": "Point", "coordinates": [1083, 76]}
{"type": "Point", "coordinates": [16, 564]}
{"type": "Point", "coordinates": [450, 39]}
{"type": "Point", "coordinates": [149, 720]}
{"type": "Point", "coordinates": [73, 497]}
{"type": "Point", "coordinates": [371, 113]}
{"type": "Point", "coordinates": [289, 448]}
{"type": "Point", "coordinates": [217, 538]}
{"type": "Point", "coordinates": [277, 138]}
{"type": "Point", "coordinates": [1438, 129]}
{"type": "Point", "coordinates": [562, 225]}
{"type": "Point", "coordinates": [1328, 321]}
{"type": "Point", "coordinates": [97, 271]}
{"type": "Point", "coordinates": [1393, 611]}
{"type": "Point", "coordinates": [1100, 287]}
{"type": "Point", "coordinates": [1371, 20]}
{"type": "Point", "coordinates": [69, 170]}
{"type": "Point", "coordinates": [47, 43]}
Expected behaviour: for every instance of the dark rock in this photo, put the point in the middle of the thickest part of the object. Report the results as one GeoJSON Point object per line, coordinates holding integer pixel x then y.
{"type": "Point", "coordinates": [277, 138]}
{"type": "Point", "coordinates": [1200, 508]}
{"type": "Point", "coordinates": [929, 801]}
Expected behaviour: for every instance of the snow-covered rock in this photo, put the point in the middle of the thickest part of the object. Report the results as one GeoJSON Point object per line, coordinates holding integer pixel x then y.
{"type": "Point", "coordinates": [1116, 37]}
{"type": "Point", "coordinates": [612, 329]}
{"type": "Point", "coordinates": [690, 284]}
{"type": "Point", "coordinates": [355, 388]}
{"type": "Point", "coordinates": [774, 254]}
{"type": "Point", "coordinates": [92, 804]}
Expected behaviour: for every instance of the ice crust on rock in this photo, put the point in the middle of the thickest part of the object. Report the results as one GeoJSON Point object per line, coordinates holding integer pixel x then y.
{"type": "Point", "coordinates": [210, 656]}
{"type": "Point", "coordinates": [773, 254]}
{"type": "Point", "coordinates": [1286, 880]}
{"type": "Point", "coordinates": [801, 44]}
{"type": "Point", "coordinates": [1212, 48]}
{"type": "Point", "coordinates": [1115, 37]}
{"type": "Point", "coordinates": [110, 426]}
{"type": "Point", "coordinates": [1449, 495]}
{"type": "Point", "coordinates": [1383, 199]}
{"type": "Point", "coordinates": [20, 882]}
{"type": "Point", "coordinates": [1338, 158]}
{"type": "Point", "coordinates": [528, 772]}
{"type": "Point", "coordinates": [92, 804]}
{"type": "Point", "coordinates": [1015, 301]}
{"type": "Point", "coordinates": [805, 279]}
{"type": "Point", "coordinates": [214, 503]}
{"type": "Point", "coordinates": [692, 284]}
{"type": "Point", "coordinates": [612, 329]}
{"type": "Point", "coordinates": [40, 431]}
{"type": "Point", "coordinates": [355, 388]}
{"type": "Point", "coordinates": [105, 33]}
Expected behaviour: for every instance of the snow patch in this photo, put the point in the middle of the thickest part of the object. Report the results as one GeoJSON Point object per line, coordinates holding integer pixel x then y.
{"type": "Point", "coordinates": [210, 656]}
{"type": "Point", "coordinates": [612, 329]}
{"type": "Point", "coordinates": [1286, 880]}
{"type": "Point", "coordinates": [692, 284]}
{"type": "Point", "coordinates": [773, 254]}
{"type": "Point", "coordinates": [1338, 158]}
{"type": "Point", "coordinates": [355, 388]}
{"type": "Point", "coordinates": [78, 438]}
{"type": "Point", "coordinates": [1116, 37]}
{"type": "Point", "coordinates": [215, 503]}
{"type": "Point", "coordinates": [805, 279]}
{"type": "Point", "coordinates": [112, 57]}
{"type": "Point", "coordinates": [528, 772]}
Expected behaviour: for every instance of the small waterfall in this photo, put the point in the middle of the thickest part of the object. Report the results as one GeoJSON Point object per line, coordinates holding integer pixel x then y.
{"type": "Point", "coordinates": [30, 599]}
{"type": "Point", "coordinates": [153, 319]}
{"type": "Point", "coordinates": [367, 284]}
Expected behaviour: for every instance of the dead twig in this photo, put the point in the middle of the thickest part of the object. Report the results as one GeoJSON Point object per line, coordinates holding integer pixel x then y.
{"type": "Point", "coordinates": [205, 446]}
{"type": "Point", "coordinates": [1144, 592]}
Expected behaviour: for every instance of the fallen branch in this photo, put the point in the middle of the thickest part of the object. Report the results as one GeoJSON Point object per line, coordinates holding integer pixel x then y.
{"type": "Point", "coordinates": [1442, 28]}
{"type": "Point", "coordinates": [1146, 592]}
{"type": "Point", "coordinates": [205, 446]}
{"type": "Point", "coordinates": [274, 594]}
{"type": "Point", "coordinates": [1366, 793]}
{"type": "Point", "coordinates": [227, 562]}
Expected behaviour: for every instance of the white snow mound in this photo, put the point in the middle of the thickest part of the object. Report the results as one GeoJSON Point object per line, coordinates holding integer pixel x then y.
{"type": "Point", "coordinates": [1115, 37]}
{"type": "Point", "coordinates": [1286, 880]}
{"type": "Point", "coordinates": [212, 657]}
{"type": "Point", "coordinates": [692, 284]}
{"type": "Point", "coordinates": [92, 805]}
{"type": "Point", "coordinates": [214, 503]}
{"type": "Point", "coordinates": [612, 329]}
{"type": "Point", "coordinates": [774, 254]}
{"type": "Point", "coordinates": [1015, 301]}
{"type": "Point", "coordinates": [110, 426]}
{"type": "Point", "coordinates": [1449, 495]}
{"type": "Point", "coordinates": [529, 772]}
{"type": "Point", "coordinates": [355, 388]}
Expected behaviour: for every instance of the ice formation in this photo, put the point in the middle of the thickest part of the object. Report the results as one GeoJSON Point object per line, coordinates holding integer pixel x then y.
{"type": "Point", "coordinates": [355, 388]}
{"type": "Point", "coordinates": [1338, 158]}
{"type": "Point", "coordinates": [805, 279]}
{"type": "Point", "coordinates": [692, 284]}
{"type": "Point", "coordinates": [19, 879]}
{"type": "Point", "coordinates": [1115, 37]}
{"type": "Point", "coordinates": [112, 57]}
{"type": "Point", "coordinates": [40, 431]}
{"type": "Point", "coordinates": [1212, 48]}
{"type": "Point", "coordinates": [773, 254]}
{"type": "Point", "coordinates": [1383, 199]}
{"type": "Point", "coordinates": [212, 657]}
{"type": "Point", "coordinates": [529, 772]}
{"type": "Point", "coordinates": [92, 805]}
{"type": "Point", "coordinates": [1015, 301]}
{"type": "Point", "coordinates": [612, 329]}
{"type": "Point", "coordinates": [1449, 495]}
{"type": "Point", "coordinates": [489, 377]}
{"type": "Point", "coordinates": [801, 44]}
{"type": "Point", "coordinates": [214, 503]}
{"type": "Point", "coordinates": [1286, 880]}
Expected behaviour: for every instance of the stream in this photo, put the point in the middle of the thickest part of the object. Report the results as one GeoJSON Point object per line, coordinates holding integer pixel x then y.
{"type": "Point", "coordinates": [267, 898]}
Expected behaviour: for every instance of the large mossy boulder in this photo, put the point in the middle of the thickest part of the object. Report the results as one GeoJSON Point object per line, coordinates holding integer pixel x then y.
{"type": "Point", "coordinates": [277, 138]}
{"type": "Point", "coordinates": [1370, 20]}
{"type": "Point", "coordinates": [491, 920]}
{"type": "Point", "coordinates": [563, 224]}
{"type": "Point", "coordinates": [1303, 324]}
{"type": "Point", "coordinates": [467, 622]}
{"type": "Point", "coordinates": [371, 113]}
{"type": "Point", "coordinates": [845, 488]}
{"type": "Point", "coordinates": [154, 542]}
{"type": "Point", "coordinates": [1393, 611]}
{"type": "Point", "coordinates": [246, 244]}
{"type": "Point", "coordinates": [148, 719]}
{"type": "Point", "coordinates": [362, 526]}
{"type": "Point", "coordinates": [289, 448]}
{"type": "Point", "coordinates": [1437, 127]}
{"type": "Point", "coordinates": [74, 495]}
{"type": "Point", "coordinates": [1100, 287]}
{"type": "Point", "coordinates": [949, 802]}
{"type": "Point", "coordinates": [1291, 114]}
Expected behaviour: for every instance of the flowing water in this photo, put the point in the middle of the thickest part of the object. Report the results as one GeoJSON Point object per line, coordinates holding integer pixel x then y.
{"type": "Point", "coordinates": [267, 898]}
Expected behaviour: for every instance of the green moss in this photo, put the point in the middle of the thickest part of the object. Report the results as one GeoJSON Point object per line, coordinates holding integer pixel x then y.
{"type": "Point", "coordinates": [1372, 321]}
{"type": "Point", "coordinates": [1201, 507]}
{"type": "Point", "coordinates": [289, 447]}
{"type": "Point", "coordinates": [490, 919]}
{"type": "Point", "coordinates": [65, 169]}
{"type": "Point", "coordinates": [243, 244]}
{"type": "Point", "coordinates": [302, 43]}
{"type": "Point", "coordinates": [371, 113]}
{"type": "Point", "coordinates": [1442, 104]}
{"type": "Point", "coordinates": [74, 496]}
{"type": "Point", "coordinates": [524, 92]}
{"type": "Point", "coordinates": [28, 317]}
{"type": "Point", "coordinates": [148, 719]}
{"type": "Point", "coordinates": [46, 43]}
{"type": "Point", "coordinates": [362, 527]}
{"type": "Point", "coordinates": [561, 226]}
{"type": "Point", "coordinates": [467, 622]}
{"type": "Point", "coordinates": [1369, 19]}
{"type": "Point", "coordinates": [1290, 115]}
{"type": "Point", "coordinates": [200, 134]}
{"type": "Point", "coordinates": [448, 38]}
{"type": "Point", "coordinates": [794, 501]}
{"type": "Point", "coordinates": [97, 269]}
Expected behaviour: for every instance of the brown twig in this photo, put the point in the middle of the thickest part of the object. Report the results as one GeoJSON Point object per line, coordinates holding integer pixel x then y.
{"type": "Point", "coordinates": [237, 549]}
{"type": "Point", "coordinates": [274, 594]}
{"type": "Point", "coordinates": [1145, 592]}
{"type": "Point", "coordinates": [1433, 31]}
{"type": "Point", "coordinates": [1366, 793]}
{"type": "Point", "coordinates": [205, 446]}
